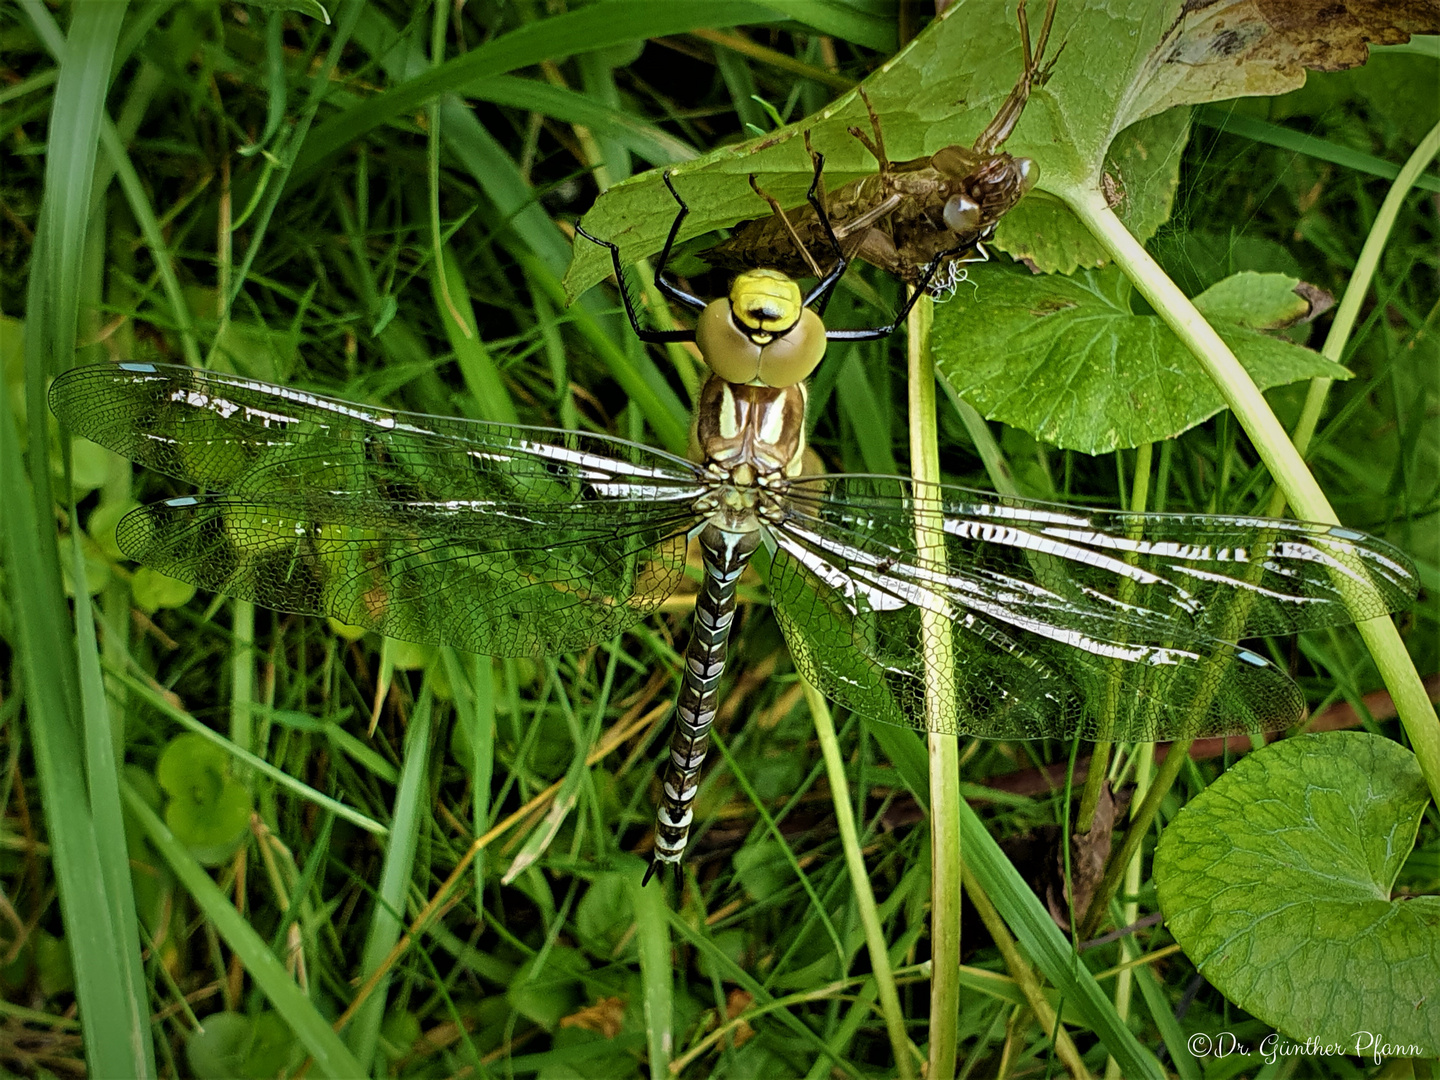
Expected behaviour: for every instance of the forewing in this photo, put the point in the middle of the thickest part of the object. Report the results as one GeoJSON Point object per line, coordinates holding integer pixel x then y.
{"type": "Point", "coordinates": [1056, 620]}
{"type": "Point", "coordinates": [496, 539]}
{"type": "Point", "coordinates": [241, 436]}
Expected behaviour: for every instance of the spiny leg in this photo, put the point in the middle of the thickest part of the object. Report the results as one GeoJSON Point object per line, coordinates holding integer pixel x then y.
{"type": "Point", "coordinates": [876, 148]}
{"type": "Point", "coordinates": [659, 336]}
{"type": "Point", "coordinates": [667, 287]}
{"type": "Point", "coordinates": [826, 284]}
{"type": "Point", "coordinates": [1031, 76]}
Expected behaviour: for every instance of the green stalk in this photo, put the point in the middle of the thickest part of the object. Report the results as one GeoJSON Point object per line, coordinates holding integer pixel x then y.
{"type": "Point", "coordinates": [938, 648]}
{"type": "Point", "coordinates": [1100, 754]}
{"type": "Point", "coordinates": [1275, 449]}
{"type": "Point", "coordinates": [860, 881]}
{"type": "Point", "coordinates": [1139, 825]}
{"type": "Point", "coordinates": [1131, 910]}
{"type": "Point", "coordinates": [1024, 976]}
{"type": "Point", "coordinates": [1359, 285]}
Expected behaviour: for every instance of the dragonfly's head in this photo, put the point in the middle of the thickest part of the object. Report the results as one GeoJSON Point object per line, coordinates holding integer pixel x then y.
{"type": "Point", "coordinates": [761, 333]}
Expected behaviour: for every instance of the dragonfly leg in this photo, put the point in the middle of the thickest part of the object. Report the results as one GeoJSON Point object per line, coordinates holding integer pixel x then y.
{"type": "Point", "coordinates": [657, 336]}
{"type": "Point", "coordinates": [725, 555]}
{"type": "Point", "coordinates": [874, 333]}
{"type": "Point", "coordinates": [664, 284]}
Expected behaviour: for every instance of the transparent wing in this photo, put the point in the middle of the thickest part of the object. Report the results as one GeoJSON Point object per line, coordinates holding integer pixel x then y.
{"type": "Point", "coordinates": [499, 540]}
{"type": "Point", "coordinates": [1055, 620]}
{"type": "Point", "coordinates": [505, 581]}
{"type": "Point", "coordinates": [238, 435]}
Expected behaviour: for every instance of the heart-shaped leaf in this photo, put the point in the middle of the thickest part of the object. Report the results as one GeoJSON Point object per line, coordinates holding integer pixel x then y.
{"type": "Point", "coordinates": [1069, 360]}
{"type": "Point", "coordinates": [1276, 882]}
{"type": "Point", "coordinates": [209, 809]}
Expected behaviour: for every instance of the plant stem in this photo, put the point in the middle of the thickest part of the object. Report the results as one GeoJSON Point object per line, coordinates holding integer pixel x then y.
{"type": "Point", "coordinates": [1275, 449]}
{"type": "Point", "coordinates": [1024, 976]}
{"type": "Point", "coordinates": [1359, 286]}
{"type": "Point", "coordinates": [937, 647]}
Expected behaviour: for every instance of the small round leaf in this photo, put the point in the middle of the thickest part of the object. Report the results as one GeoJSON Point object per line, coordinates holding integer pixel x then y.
{"type": "Point", "coordinates": [152, 590]}
{"type": "Point", "coordinates": [1276, 883]}
{"type": "Point", "coordinates": [208, 810]}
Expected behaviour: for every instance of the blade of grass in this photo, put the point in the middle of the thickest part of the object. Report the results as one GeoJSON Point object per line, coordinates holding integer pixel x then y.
{"type": "Point", "coordinates": [657, 973]}
{"type": "Point", "coordinates": [1041, 941]}
{"type": "Point", "coordinates": [411, 812]}
{"type": "Point", "coordinates": [1025, 979]}
{"type": "Point", "coordinates": [900, 1043]}
{"type": "Point", "coordinates": [254, 954]}
{"type": "Point", "coordinates": [64, 721]}
{"type": "Point", "coordinates": [114, 1045]}
{"type": "Point", "coordinates": [650, 143]}
{"type": "Point", "coordinates": [103, 772]}
{"type": "Point", "coordinates": [584, 30]}
{"type": "Point", "coordinates": [1222, 118]}
{"type": "Point", "coordinates": [477, 367]}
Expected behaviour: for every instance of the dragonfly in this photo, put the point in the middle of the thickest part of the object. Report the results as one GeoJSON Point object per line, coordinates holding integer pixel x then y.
{"type": "Point", "coordinates": [521, 541]}
{"type": "Point", "coordinates": [911, 213]}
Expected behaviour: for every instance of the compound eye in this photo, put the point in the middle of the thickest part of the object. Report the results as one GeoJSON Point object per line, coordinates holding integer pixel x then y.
{"type": "Point", "coordinates": [1029, 173]}
{"type": "Point", "coordinates": [790, 359]}
{"type": "Point", "coordinates": [962, 214]}
{"type": "Point", "coordinates": [725, 346]}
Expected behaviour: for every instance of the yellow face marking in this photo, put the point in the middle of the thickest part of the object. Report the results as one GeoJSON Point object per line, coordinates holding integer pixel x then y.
{"type": "Point", "coordinates": [765, 301]}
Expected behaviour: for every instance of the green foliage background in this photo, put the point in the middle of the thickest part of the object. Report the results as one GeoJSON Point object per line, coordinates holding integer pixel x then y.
{"type": "Point", "coordinates": [293, 201]}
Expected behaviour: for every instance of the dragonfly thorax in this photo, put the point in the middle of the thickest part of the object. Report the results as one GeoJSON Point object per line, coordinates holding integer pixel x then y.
{"type": "Point", "coordinates": [751, 440]}
{"type": "Point", "coordinates": [750, 432]}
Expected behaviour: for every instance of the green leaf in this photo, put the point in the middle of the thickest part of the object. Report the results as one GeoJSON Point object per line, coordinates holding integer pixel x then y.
{"type": "Point", "coordinates": [1069, 360]}
{"type": "Point", "coordinates": [1088, 128]}
{"type": "Point", "coordinates": [209, 809]}
{"type": "Point", "coordinates": [153, 590]}
{"type": "Point", "coordinates": [543, 994]}
{"type": "Point", "coordinates": [101, 525]}
{"type": "Point", "coordinates": [97, 573]}
{"type": "Point", "coordinates": [762, 870]}
{"type": "Point", "coordinates": [604, 916]}
{"type": "Point", "coordinates": [1276, 882]}
{"type": "Point", "coordinates": [230, 1045]}
{"type": "Point", "coordinates": [216, 1051]}
{"type": "Point", "coordinates": [1255, 301]}
{"type": "Point", "coordinates": [310, 8]}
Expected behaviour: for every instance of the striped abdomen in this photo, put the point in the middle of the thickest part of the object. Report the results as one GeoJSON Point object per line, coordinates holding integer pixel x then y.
{"type": "Point", "coordinates": [725, 555]}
